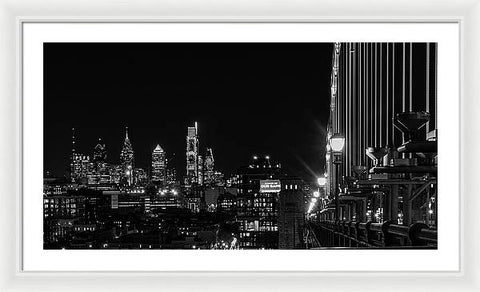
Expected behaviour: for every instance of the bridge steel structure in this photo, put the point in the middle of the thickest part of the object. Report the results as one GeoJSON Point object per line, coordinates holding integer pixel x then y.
{"type": "Point", "coordinates": [384, 181]}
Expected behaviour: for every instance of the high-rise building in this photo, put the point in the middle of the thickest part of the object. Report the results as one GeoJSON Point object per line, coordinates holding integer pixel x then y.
{"type": "Point", "coordinates": [79, 163]}
{"type": "Point", "coordinates": [72, 157]}
{"type": "Point", "coordinates": [141, 177]}
{"type": "Point", "coordinates": [227, 203]}
{"type": "Point", "coordinates": [127, 159]}
{"type": "Point", "coordinates": [171, 171]}
{"type": "Point", "coordinates": [208, 171]}
{"type": "Point", "coordinates": [200, 170]}
{"type": "Point", "coordinates": [257, 199]}
{"type": "Point", "coordinates": [171, 176]}
{"type": "Point", "coordinates": [159, 165]}
{"type": "Point", "coordinates": [99, 173]}
{"type": "Point", "coordinates": [99, 152]}
{"type": "Point", "coordinates": [80, 167]}
{"type": "Point", "coordinates": [192, 155]}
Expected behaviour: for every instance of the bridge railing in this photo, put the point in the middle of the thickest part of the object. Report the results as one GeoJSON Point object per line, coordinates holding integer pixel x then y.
{"type": "Point", "coordinates": [369, 234]}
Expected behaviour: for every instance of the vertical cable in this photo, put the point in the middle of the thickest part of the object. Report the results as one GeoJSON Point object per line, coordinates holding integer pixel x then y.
{"type": "Point", "coordinates": [339, 98]}
{"type": "Point", "coordinates": [388, 120]}
{"type": "Point", "coordinates": [333, 111]}
{"type": "Point", "coordinates": [367, 94]}
{"type": "Point", "coordinates": [435, 88]}
{"type": "Point", "coordinates": [364, 103]}
{"type": "Point", "coordinates": [410, 75]}
{"type": "Point", "coordinates": [339, 90]}
{"type": "Point", "coordinates": [371, 101]}
{"type": "Point", "coordinates": [347, 141]}
{"type": "Point", "coordinates": [375, 103]}
{"type": "Point", "coordinates": [427, 88]}
{"type": "Point", "coordinates": [393, 93]}
{"type": "Point", "coordinates": [349, 112]}
{"type": "Point", "coordinates": [345, 105]}
{"type": "Point", "coordinates": [403, 90]}
{"type": "Point", "coordinates": [354, 102]}
{"type": "Point", "coordinates": [360, 103]}
{"type": "Point", "coordinates": [380, 97]}
{"type": "Point", "coordinates": [344, 97]}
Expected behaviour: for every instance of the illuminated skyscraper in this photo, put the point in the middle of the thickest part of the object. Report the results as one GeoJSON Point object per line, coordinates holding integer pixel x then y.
{"type": "Point", "coordinates": [208, 167]}
{"type": "Point", "coordinates": [80, 167]}
{"type": "Point", "coordinates": [78, 163]}
{"type": "Point", "coordinates": [200, 170]}
{"type": "Point", "coordinates": [127, 159]}
{"type": "Point", "coordinates": [72, 157]}
{"type": "Point", "coordinates": [98, 169]}
{"type": "Point", "coordinates": [192, 155]}
{"type": "Point", "coordinates": [159, 165]}
{"type": "Point", "coordinates": [99, 152]}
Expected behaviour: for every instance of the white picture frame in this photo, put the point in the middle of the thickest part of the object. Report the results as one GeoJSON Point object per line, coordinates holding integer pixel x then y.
{"type": "Point", "coordinates": [14, 278]}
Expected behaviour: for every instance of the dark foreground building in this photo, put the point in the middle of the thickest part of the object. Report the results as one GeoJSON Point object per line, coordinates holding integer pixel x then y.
{"type": "Point", "coordinates": [291, 214]}
{"type": "Point", "coordinates": [269, 207]}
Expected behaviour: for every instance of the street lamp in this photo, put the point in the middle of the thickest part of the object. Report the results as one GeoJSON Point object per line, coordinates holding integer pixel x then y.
{"type": "Point", "coordinates": [322, 181]}
{"type": "Point", "coordinates": [337, 142]}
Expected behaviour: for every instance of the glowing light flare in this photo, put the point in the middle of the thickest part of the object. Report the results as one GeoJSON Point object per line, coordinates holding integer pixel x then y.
{"type": "Point", "coordinates": [322, 181]}
{"type": "Point", "coordinates": [337, 142]}
{"type": "Point", "coordinates": [310, 207]}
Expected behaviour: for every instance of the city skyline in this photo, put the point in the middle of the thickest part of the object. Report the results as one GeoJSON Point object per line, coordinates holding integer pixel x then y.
{"type": "Point", "coordinates": [101, 111]}
{"type": "Point", "coordinates": [221, 164]}
{"type": "Point", "coordinates": [201, 164]}
{"type": "Point", "coordinates": [93, 167]}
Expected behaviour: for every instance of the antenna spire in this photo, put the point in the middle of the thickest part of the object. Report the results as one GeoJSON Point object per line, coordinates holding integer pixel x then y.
{"type": "Point", "coordinates": [73, 140]}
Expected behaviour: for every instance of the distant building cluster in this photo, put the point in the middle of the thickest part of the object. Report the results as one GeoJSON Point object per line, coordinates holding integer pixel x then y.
{"type": "Point", "coordinates": [116, 206]}
{"type": "Point", "coordinates": [95, 170]}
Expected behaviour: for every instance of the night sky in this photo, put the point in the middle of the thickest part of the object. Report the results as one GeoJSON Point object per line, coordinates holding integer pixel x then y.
{"type": "Point", "coordinates": [248, 98]}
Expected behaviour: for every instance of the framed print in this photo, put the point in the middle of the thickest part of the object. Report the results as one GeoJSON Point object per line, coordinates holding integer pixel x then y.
{"type": "Point", "coordinates": [173, 193]}
{"type": "Point", "coordinates": [241, 148]}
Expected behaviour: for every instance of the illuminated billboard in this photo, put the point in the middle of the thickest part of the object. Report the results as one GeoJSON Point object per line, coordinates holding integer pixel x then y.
{"type": "Point", "coordinates": [270, 186]}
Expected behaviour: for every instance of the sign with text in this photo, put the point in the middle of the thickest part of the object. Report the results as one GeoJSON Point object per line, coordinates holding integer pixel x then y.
{"type": "Point", "coordinates": [270, 186]}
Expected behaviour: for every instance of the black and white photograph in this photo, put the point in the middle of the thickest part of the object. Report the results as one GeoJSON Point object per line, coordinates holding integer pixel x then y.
{"type": "Point", "coordinates": [240, 145]}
